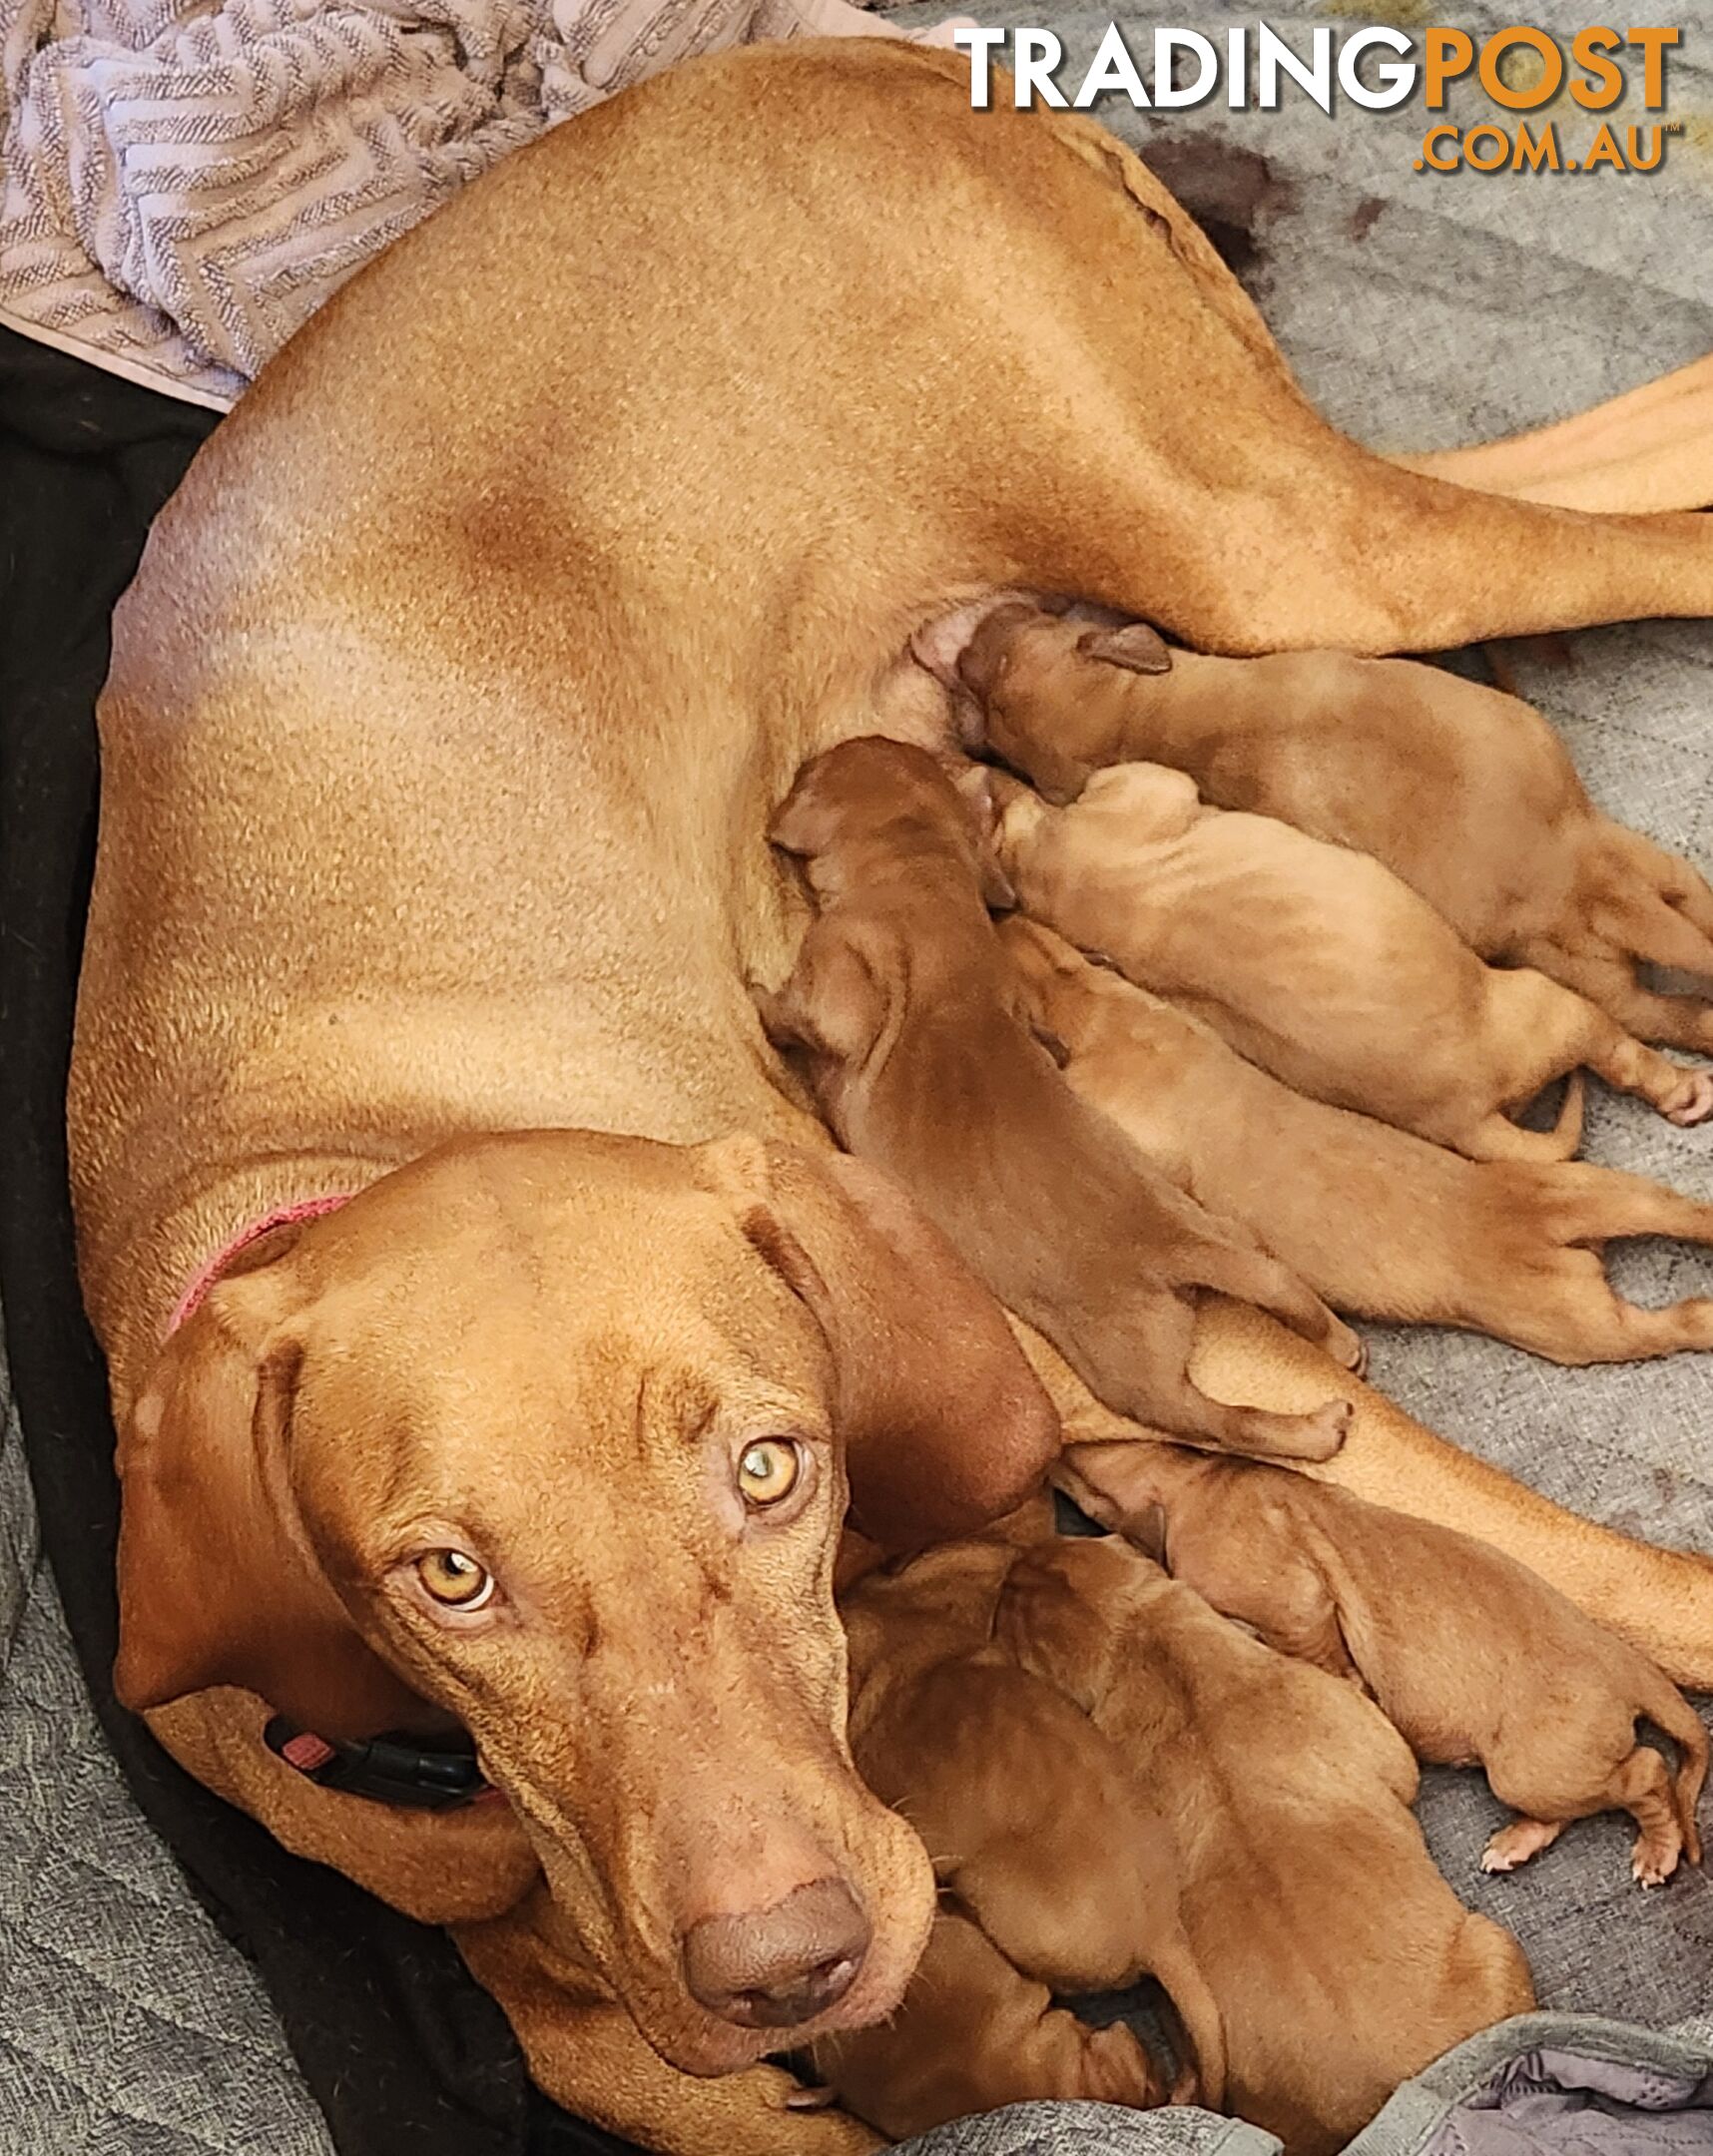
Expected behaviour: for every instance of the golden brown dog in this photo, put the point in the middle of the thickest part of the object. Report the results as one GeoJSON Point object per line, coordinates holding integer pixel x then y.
{"type": "Point", "coordinates": [1466, 793]}
{"type": "Point", "coordinates": [1316, 962]}
{"type": "Point", "coordinates": [1381, 1223]}
{"type": "Point", "coordinates": [1470, 1656]}
{"type": "Point", "coordinates": [1039, 1833]}
{"type": "Point", "coordinates": [1340, 1959]}
{"type": "Point", "coordinates": [447, 715]}
{"type": "Point", "coordinates": [726, 1875]}
{"type": "Point", "coordinates": [921, 1061]}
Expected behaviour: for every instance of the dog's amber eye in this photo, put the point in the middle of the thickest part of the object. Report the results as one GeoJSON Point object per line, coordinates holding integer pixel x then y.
{"type": "Point", "coordinates": [455, 1579]}
{"type": "Point", "coordinates": [768, 1471]}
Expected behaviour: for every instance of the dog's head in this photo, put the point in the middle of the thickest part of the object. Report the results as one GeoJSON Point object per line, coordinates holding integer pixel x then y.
{"type": "Point", "coordinates": [554, 1434]}
{"type": "Point", "coordinates": [1045, 686]}
{"type": "Point", "coordinates": [871, 792]}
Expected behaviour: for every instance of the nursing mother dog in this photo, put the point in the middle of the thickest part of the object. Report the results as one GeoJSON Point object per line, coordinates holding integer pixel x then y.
{"type": "Point", "coordinates": [497, 1340]}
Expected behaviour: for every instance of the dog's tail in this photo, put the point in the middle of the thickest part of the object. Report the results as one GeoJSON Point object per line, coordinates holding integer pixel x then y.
{"type": "Point", "coordinates": [1668, 1707]}
{"type": "Point", "coordinates": [1199, 2024]}
{"type": "Point", "coordinates": [1561, 1143]}
{"type": "Point", "coordinates": [1566, 1133]}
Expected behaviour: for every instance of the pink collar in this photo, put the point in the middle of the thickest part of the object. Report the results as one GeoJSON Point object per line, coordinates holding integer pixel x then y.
{"type": "Point", "coordinates": [283, 1217]}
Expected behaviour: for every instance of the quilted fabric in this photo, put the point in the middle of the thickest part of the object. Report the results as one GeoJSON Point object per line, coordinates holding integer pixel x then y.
{"type": "Point", "coordinates": [127, 2026]}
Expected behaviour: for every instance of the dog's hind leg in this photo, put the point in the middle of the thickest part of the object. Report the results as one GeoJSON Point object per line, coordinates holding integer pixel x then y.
{"type": "Point", "coordinates": [1647, 901]}
{"type": "Point", "coordinates": [1188, 480]}
{"type": "Point", "coordinates": [1519, 1840]}
{"type": "Point", "coordinates": [1682, 1021]}
{"type": "Point", "coordinates": [1642, 1787]}
{"type": "Point", "coordinates": [1650, 448]}
{"type": "Point", "coordinates": [1253, 1432]}
{"type": "Point", "coordinates": [1256, 1276]}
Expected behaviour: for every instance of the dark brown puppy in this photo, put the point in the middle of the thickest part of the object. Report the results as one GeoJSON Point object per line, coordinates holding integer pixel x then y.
{"type": "Point", "coordinates": [1471, 1657]}
{"type": "Point", "coordinates": [1341, 1960]}
{"type": "Point", "coordinates": [922, 1059]}
{"type": "Point", "coordinates": [1061, 1878]}
{"type": "Point", "coordinates": [1467, 793]}
{"type": "Point", "coordinates": [1379, 1222]}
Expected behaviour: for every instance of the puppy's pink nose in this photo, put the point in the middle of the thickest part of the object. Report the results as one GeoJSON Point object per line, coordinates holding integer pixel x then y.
{"type": "Point", "coordinates": [779, 1967]}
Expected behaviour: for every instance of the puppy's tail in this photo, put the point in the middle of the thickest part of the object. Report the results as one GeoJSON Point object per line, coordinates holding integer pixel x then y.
{"type": "Point", "coordinates": [1668, 1707]}
{"type": "Point", "coordinates": [1561, 1142]}
{"type": "Point", "coordinates": [1199, 2024]}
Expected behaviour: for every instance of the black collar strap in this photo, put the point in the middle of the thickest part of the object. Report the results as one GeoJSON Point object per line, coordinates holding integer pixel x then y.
{"type": "Point", "coordinates": [395, 1769]}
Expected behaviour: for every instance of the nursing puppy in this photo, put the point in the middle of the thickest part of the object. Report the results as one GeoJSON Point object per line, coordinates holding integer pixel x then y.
{"type": "Point", "coordinates": [1059, 1877]}
{"type": "Point", "coordinates": [1314, 961]}
{"type": "Point", "coordinates": [1471, 1657]}
{"type": "Point", "coordinates": [1340, 1959]}
{"type": "Point", "coordinates": [1467, 795]}
{"type": "Point", "coordinates": [921, 1059]}
{"type": "Point", "coordinates": [1383, 1224]}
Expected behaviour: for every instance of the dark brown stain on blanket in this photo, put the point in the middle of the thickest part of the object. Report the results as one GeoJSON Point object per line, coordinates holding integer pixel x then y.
{"type": "Point", "coordinates": [1232, 194]}
{"type": "Point", "coordinates": [1365, 215]}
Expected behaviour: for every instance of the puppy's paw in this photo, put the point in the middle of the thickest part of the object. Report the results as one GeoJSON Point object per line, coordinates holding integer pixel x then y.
{"type": "Point", "coordinates": [1349, 1348]}
{"type": "Point", "coordinates": [1655, 1855]}
{"type": "Point", "coordinates": [1516, 1843]}
{"type": "Point", "coordinates": [1325, 1429]}
{"type": "Point", "coordinates": [1692, 1101]}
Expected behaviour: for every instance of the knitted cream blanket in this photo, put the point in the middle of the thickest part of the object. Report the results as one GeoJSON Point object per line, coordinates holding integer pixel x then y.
{"type": "Point", "coordinates": [183, 181]}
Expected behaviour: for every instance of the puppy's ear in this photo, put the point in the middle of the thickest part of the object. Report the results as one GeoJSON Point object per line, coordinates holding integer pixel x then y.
{"type": "Point", "coordinates": [946, 1426]}
{"type": "Point", "coordinates": [219, 1583]}
{"type": "Point", "coordinates": [1135, 647]}
{"type": "Point", "coordinates": [799, 825]}
{"type": "Point", "coordinates": [1064, 1610]}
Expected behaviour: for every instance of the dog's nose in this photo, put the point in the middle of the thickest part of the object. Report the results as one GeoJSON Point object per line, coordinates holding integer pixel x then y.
{"type": "Point", "coordinates": [776, 1967]}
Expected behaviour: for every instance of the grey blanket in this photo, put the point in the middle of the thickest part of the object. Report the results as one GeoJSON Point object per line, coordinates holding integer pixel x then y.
{"type": "Point", "coordinates": [1418, 308]}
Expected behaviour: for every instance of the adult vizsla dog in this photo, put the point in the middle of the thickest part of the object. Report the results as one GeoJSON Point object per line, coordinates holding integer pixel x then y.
{"type": "Point", "coordinates": [909, 1018]}
{"type": "Point", "coordinates": [1316, 962]}
{"type": "Point", "coordinates": [1470, 1655]}
{"type": "Point", "coordinates": [1467, 793]}
{"type": "Point", "coordinates": [446, 718]}
{"type": "Point", "coordinates": [1379, 1222]}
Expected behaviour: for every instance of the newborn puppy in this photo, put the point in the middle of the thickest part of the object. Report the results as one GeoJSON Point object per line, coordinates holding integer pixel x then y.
{"type": "Point", "coordinates": [1060, 1876]}
{"type": "Point", "coordinates": [1315, 962]}
{"type": "Point", "coordinates": [974, 2034]}
{"type": "Point", "coordinates": [1341, 1960]}
{"type": "Point", "coordinates": [1381, 1223]}
{"type": "Point", "coordinates": [1471, 1656]}
{"type": "Point", "coordinates": [1467, 795]}
{"type": "Point", "coordinates": [919, 1056]}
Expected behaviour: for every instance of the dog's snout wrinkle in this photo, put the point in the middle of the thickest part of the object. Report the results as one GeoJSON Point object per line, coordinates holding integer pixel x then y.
{"type": "Point", "coordinates": [780, 1966]}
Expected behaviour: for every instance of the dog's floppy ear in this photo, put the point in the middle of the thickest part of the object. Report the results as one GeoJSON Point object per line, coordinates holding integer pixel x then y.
{"type": "Point", "coordinates": [219, 1583]}
{"type": "Point", "coordinates": [1135, 647]}
{"type": "Point", "coordinates": [944, 1424]}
